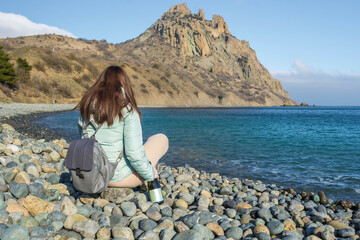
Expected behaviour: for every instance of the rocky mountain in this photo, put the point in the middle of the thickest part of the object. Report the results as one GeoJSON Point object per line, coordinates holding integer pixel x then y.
{"type": "Point", "coordinates": [180, 60]}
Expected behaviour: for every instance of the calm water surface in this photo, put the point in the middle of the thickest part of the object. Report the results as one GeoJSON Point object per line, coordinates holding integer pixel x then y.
{"type": "Point", "coordinates": [307, 148]}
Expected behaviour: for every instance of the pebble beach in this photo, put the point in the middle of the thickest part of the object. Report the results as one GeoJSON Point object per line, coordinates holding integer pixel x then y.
{"type": "Point", "coordinates": [38, 201]}
{"type": "Point", "coordinates": [15, 109]}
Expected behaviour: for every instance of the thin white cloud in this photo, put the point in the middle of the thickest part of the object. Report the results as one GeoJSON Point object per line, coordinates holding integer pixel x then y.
{"type": "Point", "coordinates": [322, 88]}
{"type": "Point", "coordinates": [15, 25]}
{"type": "Point", "coordinates": [301, 73]}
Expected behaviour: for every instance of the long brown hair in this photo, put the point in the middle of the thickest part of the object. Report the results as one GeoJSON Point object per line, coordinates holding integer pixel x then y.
{"type": "Point", "coordinates": [105, 99]}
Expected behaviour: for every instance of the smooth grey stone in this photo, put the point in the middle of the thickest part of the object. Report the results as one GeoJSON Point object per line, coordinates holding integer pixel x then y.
{"type": "Point", "coordinates": [50, 229]}
{"type": "Point", "coordinates": [294, 234]}
{"type": "Point", "coordinates": [206, 217]}
{"type": "Point", "coordinates": [86, 228]}
{"type": "Point", "coordinates": [263, 236]}
{"type": "Point", "coordinates": [9, 176]}
{"type": "Point", "coordinates": [187, 197]}
{"type": "Point", "coordinates": [149, 235]}
{"type": "Point", "coordinates": [260, 187]}
{"type": "Point", "coordinates": [265, 214]}
{"type": "Point", "coordinates": [225, 191]}
{"type": "Point", "coordinates": [128, 208]}
{"type": "Point", "coordinates": [204, 231]}
{"type": "Point", "coordinates": [166, 212]}
{"type": "Point", "coordinates": [56, 216]}
{"type": "Point", "coordinates": [346, 232]}
{"type": "Point", "coordinates": [230, 204]}
{"type": "Point", "coordinates": [246, 226]}
{"type": "Point", "coordinates": [84, 210]}
{"type": "Point", "coordinates": [15, 232]}
{"type": "Point", "coordinates": [28, 222]}
{"type": "Point", "coordinates": [11, 164]}
{"type": "Point", "coordinates": [309, 205]}
{"type": "Point", "coordinates": [53, 178]}
{"type": "Point", "coordinates": [69, 234]}
{"type": "Point", "coordinates": [2, 204]}
{"type": "Point", "coordinates": [98, 214]}
{"type": "Point", "coordinates": [231, 213]}
{"type": "Point", "coordinates": [3, 227]}
{"type": "Point", "coordinates": [225, 225]}
{"type": "Point", "coordinates": [117, 220]}
{"type": "Point", "coordinates": [167, 188]}
{"type": "Point", "coordinates": [275, 226]}
{"type": "Point", "coordinates": [327, 235]}
{"type": "Point", "coordinates": [137, 233]}
{"type": "Point", "coordinates": [134, 224]}
{"type": "Point", "coordinates": [250, 199]}
{"type": "Point", "coordinates": [19, 190]}
{"type": "Point", "coordinates": [24, 158]}
{"type": "Point", "coordinates": [153, 212]}
{"type": "Point", "coordinates": [344, 215]}
{"type": "Point", "coordinates": [235, 223]}
{"type": "Point", "coordinates": [289, 237]}
{"type": "Point", "coordinates": [321, 209]}
{"type": "Point", "coordinates": [38, 232]}
{"type": "Point", "coordinates": [234, 232]}
{"type": "Point", "coordinates": [57, 225]}
{"type": "Point", "coordinates": [36, 149]}
{"type": "Point", "coordinates": [178, 213]}
{"type": "Point", "coordinates": [191, 219]}
{"type": "Point", "coordinates": [309, 228]}
{"type": "Point", "coordinates": [164, 174]}
{"type": "Point", "coordinates": [44, 222]}
{"type": "Point", "coordinates": [147, 224]}
{"type": "Point", "coordinates": [283, 216]}
{"type": "Point", "coordinates": [167, 234]}
{"type": "Point", "coordinates": [188, 235]}
{"type": "Point", "coordinates": [203, 201]}
{"type": "Point", "coordinates": [206, 184]}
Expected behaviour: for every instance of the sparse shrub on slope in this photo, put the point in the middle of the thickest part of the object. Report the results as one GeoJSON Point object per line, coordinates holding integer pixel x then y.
{"type": "Point", "coordinates": [39, 66]}
{"type": "Point", "coordinates": [23, 70]}
{"type": "Point", "coordinates": [39, 82]}
{"type": "Point", "coordinates": [57, 63]}
{"type": "Point", "coordinates": [65, 90]}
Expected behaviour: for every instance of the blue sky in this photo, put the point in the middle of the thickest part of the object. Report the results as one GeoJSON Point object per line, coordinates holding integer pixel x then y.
{"type": "Point", "coordinates": [312, 47]}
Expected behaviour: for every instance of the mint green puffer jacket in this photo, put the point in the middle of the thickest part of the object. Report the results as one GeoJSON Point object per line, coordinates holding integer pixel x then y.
{"type": "Point", "coordinates": [124, 133]}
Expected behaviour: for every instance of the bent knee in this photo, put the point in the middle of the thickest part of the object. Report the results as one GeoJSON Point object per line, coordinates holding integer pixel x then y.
{"type": "Point", "coordinates": [164, 140]}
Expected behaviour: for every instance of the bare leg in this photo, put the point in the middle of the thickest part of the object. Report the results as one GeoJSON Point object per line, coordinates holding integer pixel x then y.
{"type": "Point", "coordinates": [155, 147]}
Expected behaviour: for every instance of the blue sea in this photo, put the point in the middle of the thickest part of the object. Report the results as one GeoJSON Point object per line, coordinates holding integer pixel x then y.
{"type": "Point", "coordinates": [306, 148]}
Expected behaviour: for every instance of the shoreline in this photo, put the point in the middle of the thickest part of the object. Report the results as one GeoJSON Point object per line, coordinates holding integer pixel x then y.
{"type": "Point", "coordinates": [16, 109]}
{"type": "Point", "coordinates": [23, 115]}
{"type": "Point", "coordinates": [38, 200]}
{"type": "Point", "coordinates": [25, 124]}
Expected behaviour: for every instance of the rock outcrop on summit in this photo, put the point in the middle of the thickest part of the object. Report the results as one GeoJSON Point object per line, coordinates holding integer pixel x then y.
{"type": "Point", "coordinates": [180, 60]}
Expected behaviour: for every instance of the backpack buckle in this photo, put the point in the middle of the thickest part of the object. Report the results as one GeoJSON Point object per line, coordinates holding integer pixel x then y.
{"type": "Point", "coordinates": [79, 174]}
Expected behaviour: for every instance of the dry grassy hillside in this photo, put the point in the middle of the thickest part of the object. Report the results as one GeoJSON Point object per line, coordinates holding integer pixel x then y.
{"type": "Point", "coordinates": [181, 60]}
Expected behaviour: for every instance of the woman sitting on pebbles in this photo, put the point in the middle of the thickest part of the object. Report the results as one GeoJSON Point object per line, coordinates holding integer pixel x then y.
{"type": "Point", "coordinates": [110, 101]}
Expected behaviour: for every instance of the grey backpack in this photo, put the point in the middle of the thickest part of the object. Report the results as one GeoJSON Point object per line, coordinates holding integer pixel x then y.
{"type": "Point", "coordinates": [90, 168]}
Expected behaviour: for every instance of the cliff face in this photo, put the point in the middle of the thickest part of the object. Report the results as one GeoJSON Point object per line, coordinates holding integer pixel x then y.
{"type": "Point", "coordinates": [181, 60]}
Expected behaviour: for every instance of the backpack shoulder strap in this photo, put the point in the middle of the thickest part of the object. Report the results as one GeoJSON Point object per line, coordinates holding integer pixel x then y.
{"type": "Point", "coordinates": [86, 125]}
{"type": "Point", "coordinates": [120, 156]}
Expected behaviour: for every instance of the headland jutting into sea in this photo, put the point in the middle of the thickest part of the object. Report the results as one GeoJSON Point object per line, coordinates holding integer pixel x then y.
{"type": "Point", "coordinates": [38, 201]}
